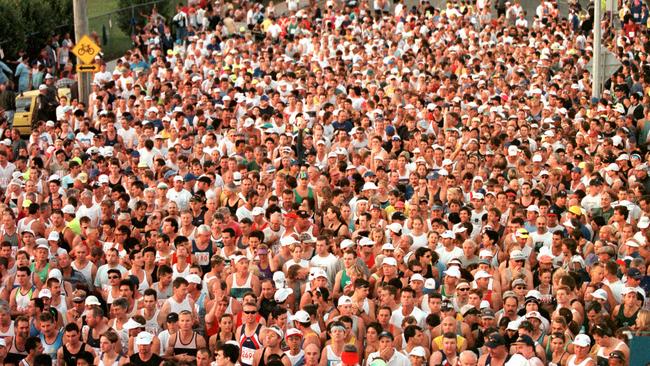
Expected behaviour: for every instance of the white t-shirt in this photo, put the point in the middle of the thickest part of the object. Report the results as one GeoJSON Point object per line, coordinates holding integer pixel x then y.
{"type": "Point", "coordinates": [329, 263]}
{"type": "Point", "coordinates": [446, 256]}
{"type": "Point", "coordinates": [397, 317]}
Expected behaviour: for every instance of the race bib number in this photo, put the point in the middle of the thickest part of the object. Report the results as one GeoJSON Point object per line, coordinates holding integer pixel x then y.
{"type": "Point", "coordinates": [202, 258]}
{"type": "Point", "coordinates": [247, 356]}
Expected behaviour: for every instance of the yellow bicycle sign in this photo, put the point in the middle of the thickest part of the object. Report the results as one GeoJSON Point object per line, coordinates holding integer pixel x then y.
{"type": "Point", "coordinates": [86, 50]}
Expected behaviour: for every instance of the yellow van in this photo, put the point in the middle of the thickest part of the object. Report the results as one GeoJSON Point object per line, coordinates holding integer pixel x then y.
{"type": "Point", "coordinates": [26, 109]}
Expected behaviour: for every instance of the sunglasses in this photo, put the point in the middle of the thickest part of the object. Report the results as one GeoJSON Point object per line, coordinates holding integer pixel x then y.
{"type": "Point", "coordinates": [113, 277]}
{"type": "Point", "coordinates": [464, 289]}
{"type": "Point", "coordinates": [250, 312]}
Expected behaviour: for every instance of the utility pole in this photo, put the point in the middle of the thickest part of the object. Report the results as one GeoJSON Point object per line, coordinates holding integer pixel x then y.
{"type": "Point", "coordinates": [80, 29]}
{"type": "Point", "coordinates": [595, 76]}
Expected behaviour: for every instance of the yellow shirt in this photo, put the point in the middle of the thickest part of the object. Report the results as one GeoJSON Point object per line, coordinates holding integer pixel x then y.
{"type": "Point", "coordinates": [460, 341]}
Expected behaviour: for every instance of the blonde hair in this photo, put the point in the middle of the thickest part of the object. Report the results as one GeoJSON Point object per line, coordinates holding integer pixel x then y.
{"type": "Point", "coordinates": [643, 318]}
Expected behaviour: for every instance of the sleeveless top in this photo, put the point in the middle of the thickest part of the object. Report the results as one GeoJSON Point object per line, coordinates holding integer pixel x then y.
{"type": "Point", "coordinates": [144, 284]}
{"type": "Point", "coordinates": [237, 291]}
{"type": "Point", "coordinates": [181, 348]}
{"type": "Point", "coordinates": [115, 363]}
{"type": "Point", "coordinates": [249, 344]}
{"type": "Point", "coordinates": [625, 321]}
{"type": "Point", "coordinates": [571, 361]}
{"type": "Point", "coordinates": [52, 348]}
{"type": "Point", "coordinates": [110, 142]}
{"type": "Point", "coordinates": [115, 185]}
{"type": "Point", "coordinates": [175, 307]}
{"type": "Point", "coordinates": [488, 360]}
{"type": "Point", "coordinates": [178, 273]}
{"type": "Point", "coordinates": [151, 325]}
{"type": "Point", "coordinates": [332, 358]}
{"type": "Point", "coordinates": [70, 358]}
{"type": "Point", "coordinates": [9, 332]}
{"type": "Point", "coordinates": [14, 354]}
{"type": "Point", "coordinates": [262, 362]}
{"type": "Point", "coordinates": [345, 279]}
{"type": "Point", "coordinates": [265, 273]}
{"type": "Point", "coordinates": [298, 198]}
{"type": "Point", "coordinates": [602, 358]}
{"type": "Point", "coordinates": [92, 341]}
{"type": "Point", "coordinates": [232, 208]}
{"type": "Point", "coordinates": [22, 300]}
{"type": "Point", "coordinates": [203, 256]}
{"type": "Point", "coordinates": [42, 274]}
{"type": "Point", "coordinates": [297, 360]}
{"type": "Point", "coordinates": [86, 272]}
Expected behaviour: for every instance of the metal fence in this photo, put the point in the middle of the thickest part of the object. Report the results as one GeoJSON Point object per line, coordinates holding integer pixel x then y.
{"type": "Point", "coordinates": [114, 29]}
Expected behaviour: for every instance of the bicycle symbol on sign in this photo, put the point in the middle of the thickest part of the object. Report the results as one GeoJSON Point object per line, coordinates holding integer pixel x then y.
{"type": "Point", "coordinates": [86, 49]}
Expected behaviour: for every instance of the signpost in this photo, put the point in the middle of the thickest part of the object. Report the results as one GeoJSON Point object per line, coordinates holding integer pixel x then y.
{"type": "Point", "coordinates": [86, 50]}
{"type": "Point", "coordinates": [88, 68]}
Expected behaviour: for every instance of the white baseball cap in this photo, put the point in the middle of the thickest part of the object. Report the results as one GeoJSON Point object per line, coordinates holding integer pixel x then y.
{"type": "Point", "coordinates": [600, 294]}
{"type": "Point", "coordinates": [453, 272]}
{"type": "Point", "coordinates": [282, 294]}
{"type": "Point", "coordinates": [481, 274]}
{"type": "Point", "coordinates": [582, 340]}
{"type": "Point", "coordinates": [132, 324]}
{"type": "Point", "coordinates": [301, 316]}
{"type": "Point", "coordinates": [193, 278]}
{"type": "Point", "coordinates": [68, 209]}
{"type": "Point", "coordinates": [418, 351]}
{"type": "Point", "coordinates": [417, 277]}
{"type": "Point", "coordinates": [344, 300]}
{"type": "Point", "coordinates": [92, 300]}
{"type": "Point", "coordinates": [143, 339]}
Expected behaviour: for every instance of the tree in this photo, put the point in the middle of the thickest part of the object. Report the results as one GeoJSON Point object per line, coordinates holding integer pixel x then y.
{"type": "Point", "coordinates": [39, 22]}
{"type": "Point", "coordinates": [12, 29]}
{"type": "Point", "coordinates": [133, 13]}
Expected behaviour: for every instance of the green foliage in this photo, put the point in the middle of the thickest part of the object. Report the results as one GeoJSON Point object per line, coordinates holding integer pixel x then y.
{"type": "Point", "coordinates": [12, 29]}
{"type": "Point", "coordinates": [63, 13]}
{"type": "Point", "coordinates": [37, 17]}
{"type": "Point", "coordinates": [135, 9]}
{"type": "Point", "coordinates": [29, 23]}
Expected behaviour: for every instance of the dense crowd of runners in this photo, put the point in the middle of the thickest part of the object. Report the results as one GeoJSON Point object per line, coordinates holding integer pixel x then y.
{"type": "Point", "coordinates": [366, 183]}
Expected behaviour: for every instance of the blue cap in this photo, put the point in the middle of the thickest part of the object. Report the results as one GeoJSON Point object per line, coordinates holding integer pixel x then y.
{"type": "Point", "coordinates": [390, 130]}
{"type": "Point", "coordinates": [369, 174]}
{"type": "Point", "coordinates": [135, 154]}
{"type": "Point", "coordinates": [433, 176]}
{"type": "Point", "coordinates": [189, 177]}
{"type": "Point", "coordinates": [265, 97]}
{"type": "Point", "coordinates": [169, 174]}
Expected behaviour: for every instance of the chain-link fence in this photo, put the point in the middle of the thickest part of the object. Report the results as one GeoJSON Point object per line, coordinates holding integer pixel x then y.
{"type": "Point", "coordinates": [114, 29]}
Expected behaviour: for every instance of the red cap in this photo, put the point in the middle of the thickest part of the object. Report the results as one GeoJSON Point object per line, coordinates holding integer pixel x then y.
{"type": "Point", "coordinates": [350, 358]}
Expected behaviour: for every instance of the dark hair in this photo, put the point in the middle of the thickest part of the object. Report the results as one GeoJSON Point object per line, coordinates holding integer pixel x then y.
{"type": "Point", "coordinates": [411, 331]}
{"type": "Point", "coordinates": [179, 281]}
{"type": "Point", "coordinates": [32, 343]}
{"type": "Point", "coordinates": [71, 327]}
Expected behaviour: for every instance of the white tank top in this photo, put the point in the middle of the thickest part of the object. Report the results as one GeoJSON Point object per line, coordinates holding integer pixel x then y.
{"type": "Point", "coordinates": [571, 361]}
{"type": "Point", "coordinates": [175, 307]}
{"type": "Point", "coordinates": [9, 332]}
{"type": "Point", "coordinates": [151, 325]}
{"type": "Point", "coordinates": [86, 271]}
{"type": "Point", "coordinates": [62, 308]}
{"type": "Point", "coordinates": [176, 274]}
{"type": "Point", "coordinates": [144, 284]}
{"type": "Point", "coordinates": [22, 301]}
